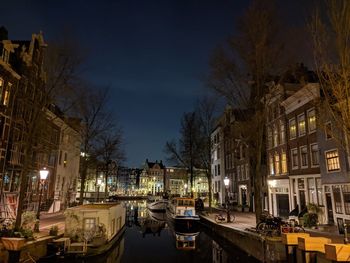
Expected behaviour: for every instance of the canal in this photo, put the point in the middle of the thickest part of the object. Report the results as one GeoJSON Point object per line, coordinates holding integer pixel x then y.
{"type": "Point", "coordinates": [149, 238]}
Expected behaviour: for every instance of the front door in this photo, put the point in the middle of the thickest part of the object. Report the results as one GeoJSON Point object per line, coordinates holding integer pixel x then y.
{"type": "Point", "coordinates": [329, 209]}
{"type": "Point", "coordinates": [282, 205]}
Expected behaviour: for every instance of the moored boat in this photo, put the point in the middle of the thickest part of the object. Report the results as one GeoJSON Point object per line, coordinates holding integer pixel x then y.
{"type": "Point", "coordinates": [181, 210]}
{"type": "Point", "coordinates": [101, 225]}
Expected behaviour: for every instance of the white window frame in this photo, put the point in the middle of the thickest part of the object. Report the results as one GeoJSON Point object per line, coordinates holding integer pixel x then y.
{"type": "Point", "coordinates": [311, 159]}
{"type": "Point", "coordinates": [325, 156]}
{"type": "Point", "coordinates": [294, 167]}
{"type": "Point", "coordinates": [289, 128]}
{"type": "Point", "coordinates": [308, 120]}
{"type": "Point", "coordinates": [301, 156]}
{"type": "Point", "coordinates": [300, 116]}
{"type": "Point", "coordinates": [285, 163]}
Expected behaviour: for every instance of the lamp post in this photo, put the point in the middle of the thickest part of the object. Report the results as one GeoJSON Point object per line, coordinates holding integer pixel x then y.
{"type": "Point", "coordinates": [226, 183]}
{"type": "Point", "coordinates": [43, 176]}
{"type": "Point", "coordinates": [98, 184]}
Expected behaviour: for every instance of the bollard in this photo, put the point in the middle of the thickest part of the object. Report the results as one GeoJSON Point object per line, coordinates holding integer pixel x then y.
{"type": "Point", "coordinates": [346, 240]}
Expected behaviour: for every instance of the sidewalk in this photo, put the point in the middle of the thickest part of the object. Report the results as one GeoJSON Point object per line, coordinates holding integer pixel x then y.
{"type": "Point", "coordinates": [246, 221]}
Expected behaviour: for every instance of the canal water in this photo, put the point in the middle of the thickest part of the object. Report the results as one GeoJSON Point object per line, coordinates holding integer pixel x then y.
{"type": "Point", "coordinates": [149, 238]}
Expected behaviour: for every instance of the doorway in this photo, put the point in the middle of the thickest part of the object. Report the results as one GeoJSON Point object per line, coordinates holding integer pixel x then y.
{"type": "Point", "coordinates": [329, 209]}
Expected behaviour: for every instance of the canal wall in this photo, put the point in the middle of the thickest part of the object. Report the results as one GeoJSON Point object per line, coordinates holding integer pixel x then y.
{"type": "Point", "coordinates": [264, 249]}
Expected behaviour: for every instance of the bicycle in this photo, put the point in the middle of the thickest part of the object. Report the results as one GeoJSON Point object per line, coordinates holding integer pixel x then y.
{"type": "Point", "coordinates": [222, 218]}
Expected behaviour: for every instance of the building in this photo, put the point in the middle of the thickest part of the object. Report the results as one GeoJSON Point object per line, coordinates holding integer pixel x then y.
{"type": "Point", "coordinates": [217, 163]}
{"type": "Point", "coordinates": [304, 166]}
{"type": "Point", "coordinates": [154, 177]}
{"type": "Point", "coordinates": [176, 181]}
{"type": "Point", "coordinates": [277, 149]}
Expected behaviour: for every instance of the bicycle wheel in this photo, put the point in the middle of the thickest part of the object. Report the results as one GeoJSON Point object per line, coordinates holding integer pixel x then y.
{"type": "Point", "coordinates": [232, 218]}
{"type": "Point", "coordinates": [261, 227]}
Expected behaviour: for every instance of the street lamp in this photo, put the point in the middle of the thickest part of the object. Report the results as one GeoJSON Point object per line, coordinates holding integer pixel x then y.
{"type": "Point", "coordinates": [226, 183]}
{"type": "Point", "coordinates": [43, 176]}
{"type": "Point", "coordinates": [98, 184]}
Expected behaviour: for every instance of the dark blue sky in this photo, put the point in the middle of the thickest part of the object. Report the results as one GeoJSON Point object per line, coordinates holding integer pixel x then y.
{"type": "Point", "coordinates": [152, 54]}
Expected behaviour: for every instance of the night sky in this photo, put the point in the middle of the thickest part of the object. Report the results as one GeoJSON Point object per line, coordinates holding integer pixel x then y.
{"type": "Point", "coordinates": [153, 55]}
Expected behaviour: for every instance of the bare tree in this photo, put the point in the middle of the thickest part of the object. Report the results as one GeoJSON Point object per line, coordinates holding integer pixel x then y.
{"type": "Point", "coordinates": [110, 150]}
{"type": "Point", "coordinates": [206, 110]}
{"type": "Point", "coordinates": [186, 152]}
{"type": "Point", "coordinates": [240, 72]}
{"type": "Point", "coordinates": [330, 30]}
{"type": "Point", "coordinates": [95, 121]}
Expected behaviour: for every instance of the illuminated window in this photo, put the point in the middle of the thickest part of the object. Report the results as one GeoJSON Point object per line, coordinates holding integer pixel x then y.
{"type": "Point", "coordinates": [301, 125]}
{"type": "Point", "coordinates": [282, 133]}
{"type": "Point", "coordinates": [284, 163]}
{"type": "Point", "coordinates": [319, 191]}
{"type": "Point", "coordinates": [272, 171]}
{"type": "Point", "coordinates": [277, 163]}
{"type": "Point", "coordinates": [303, 156]}
{"type": "Point", "coordinates": [295, 163]}
{"type": "Point", "coordinates": [7, 94]}
{"type": "Point", "coordinates": [332, 161]}
{"type": "Point", "coordinates": [311, 116]}
{"type": "Point", "coordinates": [314, 154]}
{"type": "Point", "coordinates": [292, 129]}
{"type": "Point", "coordinates": [1, 87]}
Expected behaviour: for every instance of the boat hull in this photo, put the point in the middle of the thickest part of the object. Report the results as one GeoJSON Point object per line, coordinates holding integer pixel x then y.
{"type": "Point", "coordinates": [158, 206]}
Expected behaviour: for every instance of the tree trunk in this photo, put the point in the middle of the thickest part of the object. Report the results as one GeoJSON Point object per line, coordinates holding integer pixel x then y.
{"type": "Point", "coordinates": [82, 181]}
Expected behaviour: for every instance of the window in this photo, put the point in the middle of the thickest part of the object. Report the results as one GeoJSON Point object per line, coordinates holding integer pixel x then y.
{"type": "Point", "coordinates": [311, 190]}
{"type": "Point", "coordinates": [319, 191]}
{"type": "Point", "coordinates": [272, 171]}
{"type": "Point", "coordinates": [332, 161]}
{"type": "Point", "coordinates": [89, 223]}
{"type": "Point", "coordinates": [284, 163]}
{"type": "Point", "coordinates": [303, 156]}
{"type": "Point", "coordinates": [282, 132]}
{"type": "Point", "coordinates": [314, 154]}
{"type": "Point", "coordinates": [346, 196]}
{"type": "Point", "coordinates": [246, 171]}
{"type": "Point", "coordinates": [275, 136]}
{"type": "Point", "coordinates": [311, 118]}
{"type": "Point", "coordinates": [7, 94]}
{"type": "Point", "coordinates": [292, 129]}
{"type": "Point", "coordinates": [218, 153]}
{"type": "Point", "coordinates": [295, 163]}
{"type": "Point", "coordinates": [337, 199]}
{"type": "Point", "coordinates": [238, 173]}
{"type": "Point", "coordinates": [218, 169]}
{"type": "Point", "coordinates": [277, 163]}
{"type": "Point", "coordinates": [1, 87]}
{"type": "Point", "coordinates": [328, 130]}
{"type": "Point", "coordinates": [269, 137]}
{"type": "Point", "coordinates": [301, 125]}
{"type": "Point", "coordinates": [5, 55]}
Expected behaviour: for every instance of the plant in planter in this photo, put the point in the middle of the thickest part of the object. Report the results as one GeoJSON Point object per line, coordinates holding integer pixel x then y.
{"type": "Point", "coordinates": [311, 217]}
{"type": "Point", "coordinates": [14, 239]}
{"type": "Point", "coordinates": [53, 231]}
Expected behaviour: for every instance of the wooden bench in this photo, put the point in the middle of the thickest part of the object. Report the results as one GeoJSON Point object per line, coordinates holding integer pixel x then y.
{"type": "Point", "coordinates": [310, 246]}
{"type": "Point", "coordinates": [337, 252]}
{"type": "Point", "coordinates": [290, 240]}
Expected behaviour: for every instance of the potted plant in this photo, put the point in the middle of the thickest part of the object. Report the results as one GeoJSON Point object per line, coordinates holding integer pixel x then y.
{"type": "Point", "coordinates": [311, 217]}
{"type": "Point", "coordinates": [14, 239]}
{"type": "Point", "coordinates": [53, 231]}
